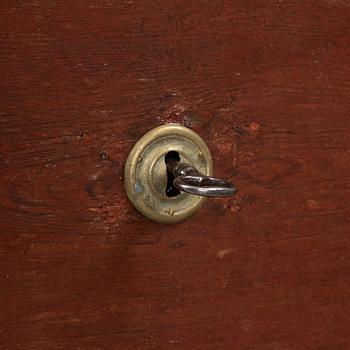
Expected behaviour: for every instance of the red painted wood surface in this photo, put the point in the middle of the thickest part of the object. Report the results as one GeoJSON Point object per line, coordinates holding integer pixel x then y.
{"type": "Point", "coordinates": [266, 84]}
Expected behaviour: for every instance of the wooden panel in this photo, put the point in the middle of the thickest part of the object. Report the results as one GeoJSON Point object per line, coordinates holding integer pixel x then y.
{"type": "Point", "coordinates": [266, 84]}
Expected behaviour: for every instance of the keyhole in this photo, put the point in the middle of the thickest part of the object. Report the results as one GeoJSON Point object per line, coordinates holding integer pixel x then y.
{"type": "Point", "coordinates": [171, 190]}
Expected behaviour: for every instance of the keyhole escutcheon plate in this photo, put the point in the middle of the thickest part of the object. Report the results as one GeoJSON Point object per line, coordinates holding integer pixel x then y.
{"type": "Point", "coordinates": [146, 178]}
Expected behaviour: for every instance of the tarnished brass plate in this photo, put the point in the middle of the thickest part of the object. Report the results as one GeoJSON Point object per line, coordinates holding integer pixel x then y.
{"type": "Point", "coordinates": [145, 172]}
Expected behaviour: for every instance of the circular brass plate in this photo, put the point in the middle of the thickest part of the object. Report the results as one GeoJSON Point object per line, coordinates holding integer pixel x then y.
{"type": "Point", "coordinates": [145, 172]}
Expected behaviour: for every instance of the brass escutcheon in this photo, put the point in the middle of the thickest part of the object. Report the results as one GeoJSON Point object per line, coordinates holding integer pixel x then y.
{"type": "Point", "coordinates": [146, 177]}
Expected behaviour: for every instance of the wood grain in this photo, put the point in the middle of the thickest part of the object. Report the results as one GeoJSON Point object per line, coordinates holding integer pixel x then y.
{"type": "Point", "coordinates": [266, 84]}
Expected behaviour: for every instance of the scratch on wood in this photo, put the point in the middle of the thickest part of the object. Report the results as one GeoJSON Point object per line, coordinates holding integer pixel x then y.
{"type": "Point", "coordinates": [223, 252]}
